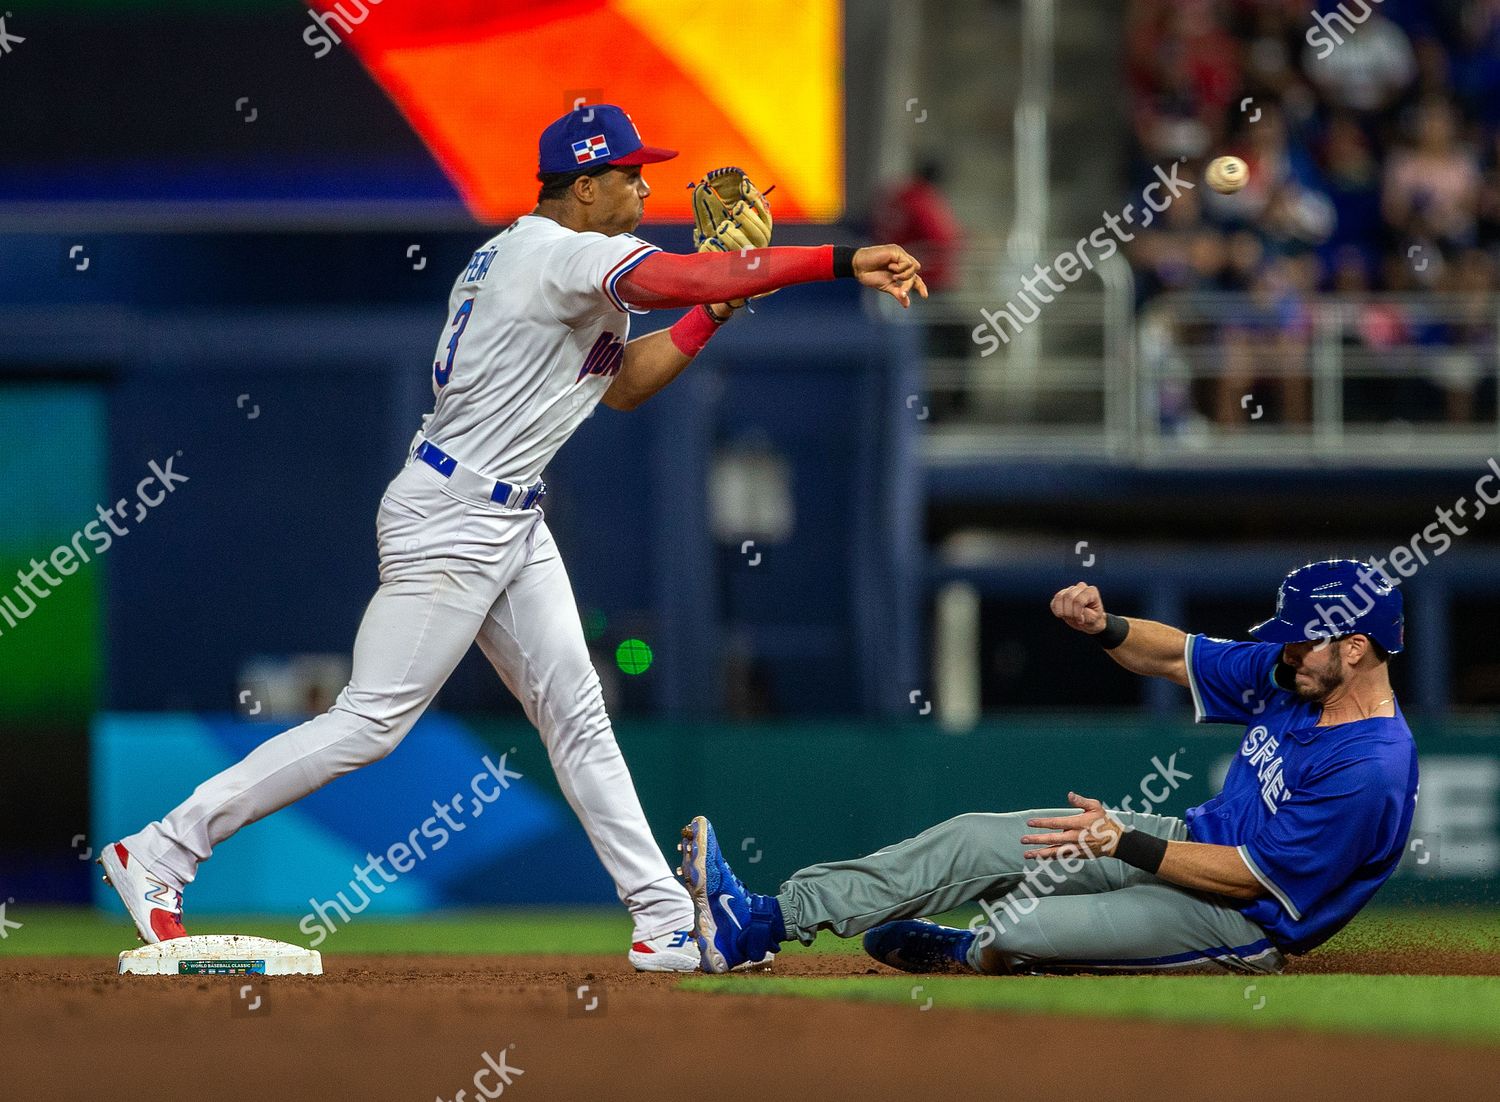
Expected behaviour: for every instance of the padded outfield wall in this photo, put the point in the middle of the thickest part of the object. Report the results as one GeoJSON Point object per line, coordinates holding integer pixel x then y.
{"type": "Point", "coordinates": [781, 796]}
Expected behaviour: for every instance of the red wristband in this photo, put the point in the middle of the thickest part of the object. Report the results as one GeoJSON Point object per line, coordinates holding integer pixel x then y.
{"type": "Point", "coordinates": [693, 330]}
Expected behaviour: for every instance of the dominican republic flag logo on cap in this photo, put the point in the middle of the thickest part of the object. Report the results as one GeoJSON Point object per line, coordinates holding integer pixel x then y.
{"type": "Point", "coordinates": [591, 149]}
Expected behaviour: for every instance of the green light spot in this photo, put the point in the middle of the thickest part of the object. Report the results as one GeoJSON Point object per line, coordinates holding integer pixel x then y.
{"type": "Point", "coordinates": [633, 656]}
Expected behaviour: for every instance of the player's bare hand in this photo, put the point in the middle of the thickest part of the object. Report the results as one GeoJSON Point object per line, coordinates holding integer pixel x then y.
{"type": "Point", "coordinates": [1081, 608]}
{"type": "Point", "coordinates": [891, 269]}
{"type": "Point", "coordinates": [1092, 833]}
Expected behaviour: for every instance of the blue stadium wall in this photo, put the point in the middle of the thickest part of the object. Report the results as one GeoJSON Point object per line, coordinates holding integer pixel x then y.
{"type": "Point", "coordinates": [781, 795]}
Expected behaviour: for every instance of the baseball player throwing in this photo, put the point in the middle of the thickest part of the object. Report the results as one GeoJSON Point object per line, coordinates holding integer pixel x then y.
{"type": "Point", "coordinates": [1312, 819]}
{"type": "Point", "coordinates": [537, 334]}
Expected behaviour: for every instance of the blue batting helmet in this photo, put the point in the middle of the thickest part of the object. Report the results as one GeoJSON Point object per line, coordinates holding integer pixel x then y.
{"type": "Point", "coordinates": [1328, 600]}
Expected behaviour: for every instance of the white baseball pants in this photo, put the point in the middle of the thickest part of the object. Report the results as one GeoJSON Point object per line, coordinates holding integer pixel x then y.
{"type": "Point", "coordinates": [453, 569]}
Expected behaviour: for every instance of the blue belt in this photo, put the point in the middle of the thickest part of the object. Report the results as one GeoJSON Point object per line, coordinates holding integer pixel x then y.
{"type": "Point", "coordinates": [501, 494]}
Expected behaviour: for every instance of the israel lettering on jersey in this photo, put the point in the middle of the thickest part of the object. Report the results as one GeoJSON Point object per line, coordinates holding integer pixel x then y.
{"type": "Point", "coordinates": [1319, 814]}
{"type": "Point", "coordinates": [1260, 747]}
{"type": "Point", "coordinates": [590, 149]}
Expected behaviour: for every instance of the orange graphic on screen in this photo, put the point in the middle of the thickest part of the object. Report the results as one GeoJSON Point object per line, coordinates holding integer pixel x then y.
{"type": "Point", "coordinates": [479, 85]}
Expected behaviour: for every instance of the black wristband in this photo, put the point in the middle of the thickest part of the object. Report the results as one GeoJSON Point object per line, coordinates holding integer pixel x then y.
{"type": "Point", "coordinates": [1144, 851]}
{"type": "Point", "coordinates": [1115, 630]}
{"type": "Point", "coordinates": [713, 317]}
{"type": "Point", "coordinates": [843, 261]}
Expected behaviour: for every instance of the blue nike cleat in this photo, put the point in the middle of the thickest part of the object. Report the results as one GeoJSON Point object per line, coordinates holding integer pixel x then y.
{"type": "Point", "coordinates": [917, 945]}
{"type": "Point", "coordinates": [732, 927]}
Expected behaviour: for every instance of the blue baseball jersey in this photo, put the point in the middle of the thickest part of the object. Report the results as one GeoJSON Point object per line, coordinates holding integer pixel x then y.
{"type": "Point", "coordinates": [1319, 814]}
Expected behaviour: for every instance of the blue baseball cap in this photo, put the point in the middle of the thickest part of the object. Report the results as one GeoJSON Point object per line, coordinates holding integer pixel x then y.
{"type": "Point", "coordinates": [592, 135]}
{"type": "Point", "coordinates": [1331, 599]}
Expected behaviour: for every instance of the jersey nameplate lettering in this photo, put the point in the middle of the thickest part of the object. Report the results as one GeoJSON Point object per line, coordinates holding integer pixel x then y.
{"type": "Point", "coordinates": [479, 265]}
{"type": "Point", "coordinates": [1260, 747]}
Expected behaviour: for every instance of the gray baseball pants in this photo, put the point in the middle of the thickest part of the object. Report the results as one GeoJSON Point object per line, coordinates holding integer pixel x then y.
{"type": "Point", "coordinates": [454, 569]}
{"type": "Point", "coordinates": [1080, 915]}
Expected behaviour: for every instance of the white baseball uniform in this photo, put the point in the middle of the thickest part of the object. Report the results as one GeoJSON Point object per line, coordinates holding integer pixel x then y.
{"type": "Point", "coordinates": [536, 336]}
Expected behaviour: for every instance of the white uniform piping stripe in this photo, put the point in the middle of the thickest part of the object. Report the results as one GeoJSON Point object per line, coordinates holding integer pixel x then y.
{"type": "Point", "coordinates": [1187, 658]}
{"type": "Point", "coordinates": [621, 269]}
{"type": "Point", "coordinates": [1270, 885]}
{"type": "Point", "coordinates": [1267, 951]}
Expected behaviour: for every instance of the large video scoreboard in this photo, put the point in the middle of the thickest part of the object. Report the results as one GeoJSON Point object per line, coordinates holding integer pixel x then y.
{"type": "Point", "coordinates": [265, 113]}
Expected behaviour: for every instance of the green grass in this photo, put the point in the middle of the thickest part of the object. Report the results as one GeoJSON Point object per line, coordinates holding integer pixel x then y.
{"type": "Point", "coordinates": [1379, 928]}
{"type": "Point", "coordinates": [1427, 928]}
{"type": "Point", "coordinates": [1459, 1008]}
{"type": "Point", "coordinates": [1399, 1005]}
{"type": "Point", "coordinates": [86, 932]}
{"type": "Point", "coordinates": [82, 931]}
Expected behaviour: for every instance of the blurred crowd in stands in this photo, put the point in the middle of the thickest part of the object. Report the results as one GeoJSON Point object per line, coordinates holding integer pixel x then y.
{"type": "Point", "coordinates": [1371, 129]}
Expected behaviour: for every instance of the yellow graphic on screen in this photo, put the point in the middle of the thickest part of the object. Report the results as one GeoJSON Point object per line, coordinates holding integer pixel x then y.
{"type": "Point", "coordinates": [479, 87]}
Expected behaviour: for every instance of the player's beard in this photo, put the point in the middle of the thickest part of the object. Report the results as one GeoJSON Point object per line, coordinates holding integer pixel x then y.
{"type": "Point", "coordinates": [1325, 680]}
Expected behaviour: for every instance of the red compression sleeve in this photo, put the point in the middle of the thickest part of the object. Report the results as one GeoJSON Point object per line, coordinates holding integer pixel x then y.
{"type": "Point", "coordinates": [664, 280]}
{"type": "Point", "coordinates": [692, 331]}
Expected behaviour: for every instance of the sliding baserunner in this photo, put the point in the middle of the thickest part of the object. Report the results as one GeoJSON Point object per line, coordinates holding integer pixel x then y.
{"type": "Point", "coordinates": [1312, 819]}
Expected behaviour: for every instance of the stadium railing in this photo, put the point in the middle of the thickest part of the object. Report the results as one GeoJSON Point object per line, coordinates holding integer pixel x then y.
{"type": "Point", "coordinates": [1062, 383]}
{"type": "Point", "coordinates": [1364, 378]}
{"type": "Point", "coordinates": [1208, 378]}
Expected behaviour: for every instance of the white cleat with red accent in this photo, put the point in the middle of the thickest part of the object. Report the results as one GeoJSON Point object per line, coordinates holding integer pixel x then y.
{"type": "Point", "coordinates": [678, 952]}
{"type": "Point", "coordinates": [675, 951]}
{"type": "Point", "coordinates": [155, 908]}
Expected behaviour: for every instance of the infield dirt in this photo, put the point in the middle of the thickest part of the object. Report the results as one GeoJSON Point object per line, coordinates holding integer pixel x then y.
{"type": "Point", "coordinates": [420, 1027]}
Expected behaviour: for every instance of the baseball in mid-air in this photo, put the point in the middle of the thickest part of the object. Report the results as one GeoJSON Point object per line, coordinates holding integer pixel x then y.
{"type": "Point", "coordinates": [1226, 175]}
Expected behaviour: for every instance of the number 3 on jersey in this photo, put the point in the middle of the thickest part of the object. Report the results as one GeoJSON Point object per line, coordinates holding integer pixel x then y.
{"type": "Point", "coordinates": [442, 372]}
